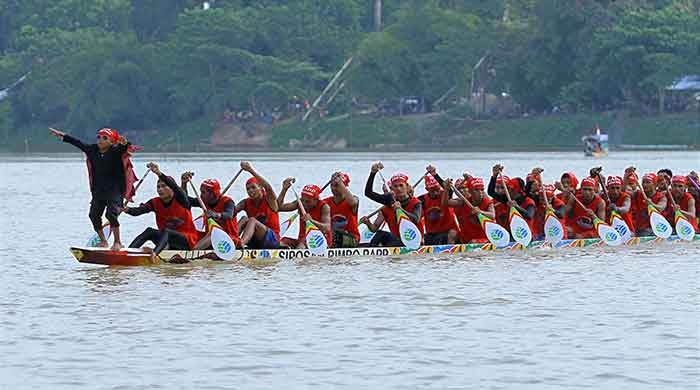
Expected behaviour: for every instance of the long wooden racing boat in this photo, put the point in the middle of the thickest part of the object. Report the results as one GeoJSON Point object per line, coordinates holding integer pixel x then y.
{"type": "Point", "coordinates": [137, 257]}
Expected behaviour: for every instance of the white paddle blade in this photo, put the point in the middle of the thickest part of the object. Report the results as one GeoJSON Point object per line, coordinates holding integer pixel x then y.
{"type": "Point", "coordinates": [660, 226]}
{"type": "Point", "coordinates": [496, 234]}
{"type": "Point", "coordinates": [622, 228]}
{"type": "Point", "coordinates": [290, 228]}
{"type": "Point", "coordinates": [609, 235]}
{"type": "Point", "coordinates": [553, 230]}
{"type": "Point", "coordinates": [410, 235]}
{"type": "Point", "coordinates": [94, 241]}
{"type": "Point", "coordinates": [685, 229]}
{"type": "Point", "coordinates": [520, 230]}
{"type": "Point", "coordinates": [200, 224]}
{"type": "Point", "coordinates": [223, 245]}
{"type": "Point", "coordinates": [366, 235]}
{"type": "Point", "coordinates": [316, 243]}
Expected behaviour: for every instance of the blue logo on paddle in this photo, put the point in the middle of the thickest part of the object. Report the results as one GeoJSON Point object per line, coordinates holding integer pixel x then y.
{"type": "Point", "coordinates": [554, 231]}
{"type": "Point", "coordinates": [621, 229]}
{"type": "Point", "coordinates": [409, 235]}
{"type": "Point", "coordinates": [661, 227]}
{"type": "Point", "coordinates": [223, 247]}
{"type": "Point", "coordinates": [521, 233]}
{"type": "Point", "coordinates": [316, 241]}
{"type": "Point", "coordinates": [686, 230]}
{"type": "Point", "coordinates": [496, 235]}
{"type": "Point", "coordinates": [611, 236]}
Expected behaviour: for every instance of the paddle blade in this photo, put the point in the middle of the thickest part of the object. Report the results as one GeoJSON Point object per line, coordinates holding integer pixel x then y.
{"type": "Point", "coordinates": [553, 230]}
{"type": "Point", "coordinates": [496, 234]}
{"type": "Point", "coordinates": [410, 235]}
{"type": "Point", "coordinates": [224, 247]}
{"type": "Point", "coordinates": [366, 235]}
{"type": "Point", "coordinates": [315, 240]}
{"type": "Point", "coordinates": [607, 233]}
{"type": "Point", "coordinates": [94, 241]}
{"type": "Point", "coordinates": [199, 224]}
{"type": "Point", "coordinates": [519, 228]}
{"type": "Point", "coordinates": [659, 224]}
{"type": "Point", "coordinates": [620, 225]}
{"type": "Point", "coordinates": [286, 225]}
{"type": "Point", "coordinates": [684, 228]}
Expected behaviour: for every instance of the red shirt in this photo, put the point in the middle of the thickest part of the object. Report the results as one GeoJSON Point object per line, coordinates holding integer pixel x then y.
{"type": "Point", "coordinates": [390, 216]}
{"type": "Point", "coordinates": [264, 214]}
{"type": "Point", "coordinates": [540, 213]}
{"type": "Point", "coordinates": [342, 217]}
{"type": "Point", "coordinates": [640, 214]}
{"type": "Point", "coordinates": [503, 212]}
{"type": "Point", "coordinates": [230, 226]}
{"type": "Point", "coordinates": [176, 217]}
{"type": "Point", "coordinates": [469, 227]}
{"type": "Point", "coordinates": [438, 218]}
{"type": "Point", "coordinates": [581, 222]}
{"type": "Point", "coordinates": [683, 203]}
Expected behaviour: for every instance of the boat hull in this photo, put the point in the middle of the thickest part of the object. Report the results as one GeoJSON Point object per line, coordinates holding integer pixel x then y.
{"type": "Point", "coordinates": [135, 257]}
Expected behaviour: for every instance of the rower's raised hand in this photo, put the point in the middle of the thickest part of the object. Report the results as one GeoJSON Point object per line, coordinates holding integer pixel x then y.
{"type": "Point", "coordinates": [378, 166]}
{"type": "Point", "coordinates": [246, 166]}
{"type": "Point", "coordinates": [447, 184]}
{"type": "Point", "coordinates": [154, 168]}
{"type": "Point", "coordinates": [430, 169]}
{"type": "Point", "coordinates": [57, 133]}
{"type": "Point", "coordinates": [287, 183]}
{"type": "Point", "coordinates": [497, 169]}
{"type": "Point", "coordinates": [467, 176]}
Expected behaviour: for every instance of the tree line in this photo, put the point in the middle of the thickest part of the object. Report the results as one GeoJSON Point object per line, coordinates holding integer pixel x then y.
{"type": "Point", "coordinates": [156, 64]}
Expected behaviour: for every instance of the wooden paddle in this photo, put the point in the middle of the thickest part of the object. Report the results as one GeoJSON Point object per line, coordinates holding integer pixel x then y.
{"type": "Point", "coordinates": [659, 225]}
{"type": "Point", "coordinates": [519, 228]}
{"type": "Point", "coordinates": [553, 229]}
{"type": "Point", "coordinates": [221, 242]}
{"type": "Point", "coordinates": [616, 220]}
{"type": "Point", "coordinates": [95, 239]}
{"type": "Point", "coordinates": [607, 233]}
{"type": "Point", "coordinates": [684, 228]}
{"type": "Point", "coordinates": [495, 233]}
{"type": "Point", "coordinates": [316, 241]}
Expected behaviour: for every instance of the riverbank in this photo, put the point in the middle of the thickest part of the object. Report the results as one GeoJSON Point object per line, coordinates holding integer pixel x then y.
{"type": "Point", "coordinates": [435, 131]}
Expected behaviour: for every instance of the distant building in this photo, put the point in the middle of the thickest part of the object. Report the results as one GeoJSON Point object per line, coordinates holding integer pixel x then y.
{"type": "Point", "coordinates": [684, 93]}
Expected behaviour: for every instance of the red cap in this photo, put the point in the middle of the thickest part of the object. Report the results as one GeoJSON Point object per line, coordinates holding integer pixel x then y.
{"type": "Point", "coordinates": [109, 133]}
{"type": "Point", "coordinates": [502, 180]}
{"type": "Point", "coordinates": [614, 181]}
{"type": "Point", "coordinates": [515, 185]}
{"type": "Point", "coordinates": [252, 180]}
{"type": "Point", "coordinates": [651, 176]}
{"type": "Point", "coordinates": [572, 178]}
{"type": "Point", "coordinates": [431, 183]}
{"type": "Point", "coordinates": [588, 182]}
{"type": "Point", "coordinates": [311, 191]}
{"type": "Point", "coordinates": [679, 180]}
{"type": "Point", "coordinates": [476, 183]}
{"type": "Point", "coordinates": [398, 178]}
{"type": "Point", "coordinates": [213, 185]}
{"type": "Point", "coordinates": [345, 178]}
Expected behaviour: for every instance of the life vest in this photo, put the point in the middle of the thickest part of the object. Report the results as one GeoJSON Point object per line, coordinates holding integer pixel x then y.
{"type": "Point", "coordinates": [581, 222]}
{"type": "Point", "coordinates": [390, 216]}
{"type": "Point", "coordinates": [541, 212]}
{"type": "Point", "coordinates": [438, 218]}
{"type": "Point", "coordinates": [640, 214]}
{"type": "Point", "coordinates": [627, 217]}
{"type": "Point", "coordinates": [469, 227]}
{"type": "Point", "coordinates": [263, 213]}
{"type": "Point", "coordinates": [175, 217]}
{"type": "Point", "coordinates": [230, 226]}
{"type": "Point", "coordinates": [343, 218]}
{"type": "Point", "coordinates": [683, 204]}
{"type": "Point", "coordinates": [315, 214]}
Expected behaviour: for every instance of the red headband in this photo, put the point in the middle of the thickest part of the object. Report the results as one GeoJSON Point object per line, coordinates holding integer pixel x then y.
{"type": "Point", "coordinates": [650, 177]}
{"type": "Point", "coordinates": [476, 184]}
{"type": "Point", "coordinates": [111, 134]}
{"type": "Point", "coordinates": [431, 183]}
{"type": "Point", "coordinates": [515, 185]}
{"type": "Point", "coordinates": [213, 185]}
{"type": "Point", "coordinates": [502, 180]}
{"type": "Point", "coordinates": [311, 191]}
{"type": "Point", "coordinates": [252, 180]}
{"type": "Point", "coordinates": [588, 182]}
{"type": "Point", "coordinates": [398, 178]}
{"type": "Point", "coordinates": [345, 178]}
{"type": "Point", "coordinates": [614, 181]}
{"type": "Point", "coordinates": [549, 190]}
{"type": "Point", "coordinates": [679, 180]}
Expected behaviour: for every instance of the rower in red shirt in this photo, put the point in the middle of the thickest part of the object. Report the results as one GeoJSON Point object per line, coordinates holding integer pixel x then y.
{"type": "Point", "coordinates": [582, 217]}
{"type": "Point", "coordinates": [317, 211]}
{"type": "Point", "coordinates": [568, 185]}
{"type": "Point", "coordinates": [640, 214]}
{"type": "Point", "coordinates": [620, 202]}
{"type": "Point", "coordinates": [400, 196]}
{"type": "Point", "coordinates": [470, 230]}
{"type": "Point", "coordinates": [440, 225]}
{"type": "Point", "coordinates": [522, 203]}
{"type": "Point", "coordinates": [684, 201]}
{"type": "Point", "coordinates": [261, 229]}
{"type": "Point", "coordinates": [694, 191]}
{"type": "Point", "coordinates": [176, 230]}
{"type": "Point", "coordinates": [500, 202]}
{"type": "Point", "coordinates": [558, 206]}
{"type": "Point", "coordinates": [344, 207]}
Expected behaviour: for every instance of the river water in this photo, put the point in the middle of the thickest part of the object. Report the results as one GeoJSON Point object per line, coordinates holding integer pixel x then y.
{"type": "Point", "coordinates": [626, 318]}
